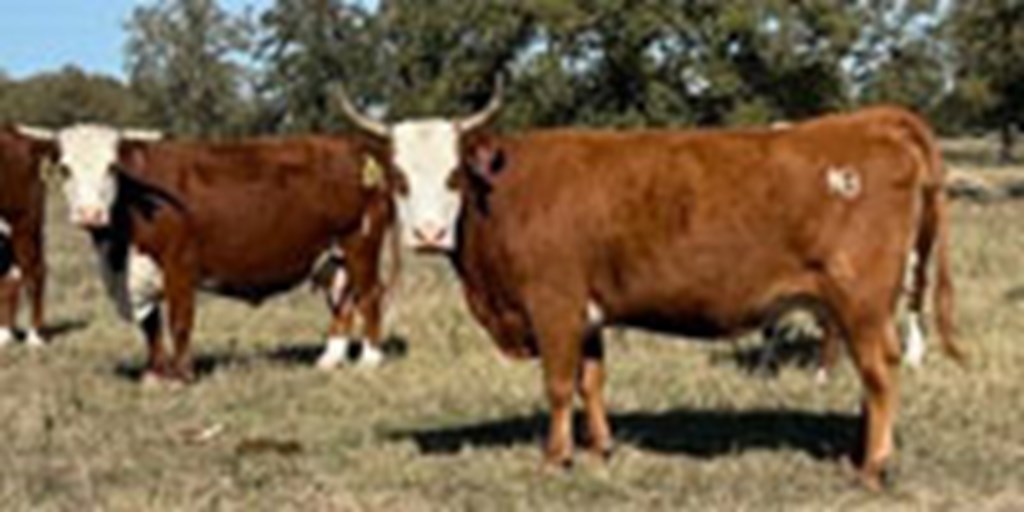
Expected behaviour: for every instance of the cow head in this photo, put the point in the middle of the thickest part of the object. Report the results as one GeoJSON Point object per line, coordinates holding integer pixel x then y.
{"type": "Point", "coordinates": [427, 155]}
{"type": "Point", "coordinates": [88, 157]}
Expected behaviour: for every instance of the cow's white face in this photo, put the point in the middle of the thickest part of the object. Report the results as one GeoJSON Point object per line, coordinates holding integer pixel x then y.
{"type": "Point", "coordinates": [88, 154]}
{"type": "Point", "coordinates": [426, 152]}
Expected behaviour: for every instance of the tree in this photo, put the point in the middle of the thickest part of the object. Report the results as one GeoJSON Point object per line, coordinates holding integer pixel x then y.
{"type": "Point", "coordinates": [989, 39]}
{"type": "Point", "coordinates": [306, 46]}
{"type": "Point", "coordinates": [69, 96]}
{"type": "Point", "coordinates": [185, 60]}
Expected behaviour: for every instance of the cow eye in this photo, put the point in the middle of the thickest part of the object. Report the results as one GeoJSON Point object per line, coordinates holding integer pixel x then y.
{"type": "Point", "coordinates": [454, 181]}
{"type": "Point", "coordinates": [401, 183]}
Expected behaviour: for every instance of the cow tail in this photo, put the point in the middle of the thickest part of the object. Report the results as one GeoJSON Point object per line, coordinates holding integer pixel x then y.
{"type": "Point", "coordinates": [933, 235]}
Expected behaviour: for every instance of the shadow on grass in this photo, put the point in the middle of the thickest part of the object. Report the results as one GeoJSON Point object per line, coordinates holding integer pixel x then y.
{"type": "Point", "coordinates": [55, 330]}
{"type": "Point", "coordinates": [296, 354]}
{"type": "Point", "coordinates": [306, 354]}
{"type": "Point", "coordinates": [1015, 294]}
{"type": "Point", "coordinates": [64, 327]}
{"type": "Point", "coordinates": [774, 353]}
{"type": "Point", "coordinates": [203, 365]}
{"type": "Point", "coordinates": [703, 434]}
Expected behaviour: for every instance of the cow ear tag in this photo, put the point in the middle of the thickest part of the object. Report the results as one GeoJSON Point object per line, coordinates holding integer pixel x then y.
{"type": "Point", "coordinates": [373, 173]}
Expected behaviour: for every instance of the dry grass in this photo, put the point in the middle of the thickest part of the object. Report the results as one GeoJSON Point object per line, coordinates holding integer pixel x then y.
{"type": "Point", "coordinates": [453, 426]}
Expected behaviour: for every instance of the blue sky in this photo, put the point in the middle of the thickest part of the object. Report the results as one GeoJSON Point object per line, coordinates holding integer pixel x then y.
{"type": "Point", "coordinates": [38, 35]}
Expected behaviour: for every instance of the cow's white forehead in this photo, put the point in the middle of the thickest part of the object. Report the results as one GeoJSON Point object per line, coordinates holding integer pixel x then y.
{"type": "Point", "coordinates": [427, 143]}
{"type": "Point", "coordinates": [5, 228]}
{"type": "Point", "coordinates": [88, 148]}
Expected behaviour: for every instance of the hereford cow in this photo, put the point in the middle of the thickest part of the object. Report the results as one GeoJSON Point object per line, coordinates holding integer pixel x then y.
{"type": "Point", "coordinates": [244, 219]}
{"type": "Point", "coordinates": [556, 234]}
{"type": "Point", "coordinates": [22, 211]}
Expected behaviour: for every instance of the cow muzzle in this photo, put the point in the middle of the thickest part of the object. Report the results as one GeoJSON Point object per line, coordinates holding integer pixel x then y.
{"type": "Point", "coordinates": [430, 238]}
{"type": "Point", "coordinates": [90, 217]}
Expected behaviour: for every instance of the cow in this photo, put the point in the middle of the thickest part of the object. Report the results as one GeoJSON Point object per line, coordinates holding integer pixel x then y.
{"type": "Point", "coordinates": [22, 214]}
{"type": "Point", "coordinates": [558, 233]}
{"type": "Point", "coordinates": [244, 219]}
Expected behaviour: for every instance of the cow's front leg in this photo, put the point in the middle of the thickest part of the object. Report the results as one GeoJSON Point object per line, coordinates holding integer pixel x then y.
{"type": "Point", "coordinates": [156, 359]}
{"type": "Point", "coordinates": [145, 292]}
{"type": "Point", "coordinates": [179, 291]}
{"type": "Point", "coordinates": [559, 328]}
{"type": "Point", "coordinates": [10, 288]}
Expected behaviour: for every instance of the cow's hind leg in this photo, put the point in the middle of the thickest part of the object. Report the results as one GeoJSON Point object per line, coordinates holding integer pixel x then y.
{"type": "Point", "coordinates": [339, 334]}
{"type": "Point", "coordinates": [591, 389]}
{"type": "Point", "coordinates": [30, 251]}
{"type": "Point", "coordinates": [874, 348]}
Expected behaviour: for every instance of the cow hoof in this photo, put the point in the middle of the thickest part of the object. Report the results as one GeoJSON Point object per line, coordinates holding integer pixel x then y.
{"type": "Point", "coordinates": [370, 356]}
{"type": "Point", "coordinates": [152, 380]}
{"type": "Point", "coordinates": [34, 339]}
{"type": "Point", "coordinates": [557, 466]}
{"type": "Point", "coordinates": [821, 377]}
{"type": "Point", "coordinates": [335, 353]}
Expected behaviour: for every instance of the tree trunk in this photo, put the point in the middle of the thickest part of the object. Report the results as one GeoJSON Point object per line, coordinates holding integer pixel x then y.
{"type": "Point", "coordinates": [1007, 138]}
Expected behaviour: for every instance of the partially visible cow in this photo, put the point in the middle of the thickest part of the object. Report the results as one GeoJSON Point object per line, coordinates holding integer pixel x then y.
{"type": "Point", "coordinates": [22, 213]}
{"type": "Point", "coordinates": [558, 233]}
{"type": "Point", "coordinates": [245, 219]}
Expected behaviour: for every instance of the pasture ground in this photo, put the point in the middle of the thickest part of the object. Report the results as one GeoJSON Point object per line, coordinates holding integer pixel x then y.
{"type": "Point", "coordinates": [452, 426]}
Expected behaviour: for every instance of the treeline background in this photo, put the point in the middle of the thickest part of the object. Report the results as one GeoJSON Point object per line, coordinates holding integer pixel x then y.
{"type": "Point", "coordinates": [196, 69]}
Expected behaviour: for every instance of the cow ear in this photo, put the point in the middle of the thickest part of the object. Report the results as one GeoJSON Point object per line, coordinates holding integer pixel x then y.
{"type": "Point", "coordinates": [487, 162]}
{"type": "Point", "coordinates": [131, 153]}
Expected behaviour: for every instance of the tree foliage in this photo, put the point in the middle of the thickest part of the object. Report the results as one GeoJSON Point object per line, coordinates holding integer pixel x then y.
{"type": "Point", "coordinates": [989, 39]}
{"type": "Point", "coordinates": [197, 69]}
{"type": "Point", "coordinates": [185, 61]}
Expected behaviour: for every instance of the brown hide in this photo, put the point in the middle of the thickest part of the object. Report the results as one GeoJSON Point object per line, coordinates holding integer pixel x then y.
{"type": "Point", "coordinates": [249, 219]}
{"type": "Point", "coordinates": [22, 206]}
{"type": "Point", "coordinates": [701, 233]}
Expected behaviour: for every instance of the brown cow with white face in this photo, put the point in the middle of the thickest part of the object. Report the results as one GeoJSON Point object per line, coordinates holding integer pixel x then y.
{"type": "Point", "coordinates": [245, 219]}
{"type": "Point", "coordinates": [22, 214]}
{"type": "Point", "coordinates": [556, 234]}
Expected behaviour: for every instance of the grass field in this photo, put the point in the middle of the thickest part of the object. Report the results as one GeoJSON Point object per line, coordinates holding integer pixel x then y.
{"type": "Point", "coordinates": [452, 426]}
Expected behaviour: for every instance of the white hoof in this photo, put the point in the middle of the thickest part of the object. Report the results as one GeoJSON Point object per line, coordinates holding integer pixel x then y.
{"type": "Point", "coordinates": [34, 339]}
{"type": "Point", "coordinates": [821, 377]}
{"type": "Point", "coordinates": [334, 353]}
{"type": "Point", "coordinates": [370, 357]}
{"type": "Point", "coordinates": [914, 343]}
{"type": "Point", "coordinates": [6, 336]}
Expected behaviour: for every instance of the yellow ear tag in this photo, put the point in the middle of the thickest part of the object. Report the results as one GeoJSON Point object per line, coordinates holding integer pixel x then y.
{"type": "Point", "coordinates": [373, 173]}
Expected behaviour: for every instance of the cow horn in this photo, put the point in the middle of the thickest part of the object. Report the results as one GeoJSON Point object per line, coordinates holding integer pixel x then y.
{"type": "Point", "coordinates": [134, 135]}
{"type": "Point", "coordinates": [34, 132]}
{"type": "Point", "coordinates": [372, 126]}
{"type": "Point", "coordinates": [470, 123]}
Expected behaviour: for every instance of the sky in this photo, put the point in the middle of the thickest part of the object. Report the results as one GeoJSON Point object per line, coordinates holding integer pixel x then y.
{"type": "Point", "coordinates": [40, 35]}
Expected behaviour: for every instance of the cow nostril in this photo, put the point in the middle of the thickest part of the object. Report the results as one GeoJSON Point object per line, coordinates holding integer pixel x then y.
{"type": "Point", "coordinates": [430, 234]}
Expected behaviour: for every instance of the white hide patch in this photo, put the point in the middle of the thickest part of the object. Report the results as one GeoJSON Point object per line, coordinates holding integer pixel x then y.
{"type": "Point", "coordinates": [595, 316]}
{"type": "Point", "coordinates": [427, 153]}
{"type": "Point", "coordinates": [34, 340]}
{"type": "Point", "coordinates": [136, 292]}
{"type": "Point", "coordinates": [370, 357]}
{"type": "Point", "coordinates": [844, 182]}
{"type": "Point", "coordinates": [913, 341]}
{"type": "Point", "coordinates": [335, 353]}
{"type": "Point", "coordinates": [5, 228]}
{"type": "Point", "coordinates": [6, 336]}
